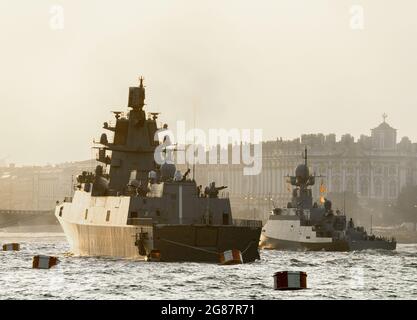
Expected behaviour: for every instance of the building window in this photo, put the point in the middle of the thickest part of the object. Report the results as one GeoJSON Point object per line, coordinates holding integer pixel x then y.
{"type": "Point", "coordinates": [393, 189]}
{"type": "Point", "coordinates": [108, 215]}
{"type": "Point", "coordinates": [378, 188]}
{"type": "Point", "coordinates": [364, 168]}
{"type": "Point", "coordinates": [60, 211]}
{"type": "Point", "coordinates": [350, 185]}
{"type": "Point", "coordinates": [350, 170]}
{"type": "Point", "coordinates": [336, 185]}
{"type": "Point", "coordinates": [364, 188]}
{"type": "Point", "coordinates": [86, 214]}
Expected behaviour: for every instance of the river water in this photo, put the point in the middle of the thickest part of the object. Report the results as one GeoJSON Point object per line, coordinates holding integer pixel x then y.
{"type": "Point", "coordinates": [352, 275]}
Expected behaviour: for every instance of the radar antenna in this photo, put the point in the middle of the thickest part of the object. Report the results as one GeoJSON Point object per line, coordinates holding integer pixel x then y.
{"type": "Point", "coordinates": [305, 155]}
{"type": "Point", "coordinates": [154, 115]}
{"type": "Point", "coordinates": [117, 114]}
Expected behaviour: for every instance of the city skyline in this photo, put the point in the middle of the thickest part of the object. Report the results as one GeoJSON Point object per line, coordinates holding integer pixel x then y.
{"type": "Point", "coordinates": [384, 117]}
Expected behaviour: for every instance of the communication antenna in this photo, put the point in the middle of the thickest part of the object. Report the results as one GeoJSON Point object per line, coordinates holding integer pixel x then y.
{"type": "Point", "coordinates": [344, 202]}
{"type": "Point", "coordinates": [371, 224]}
{"type": "Point", "coordinates": [194, 140]}
{"type": "Point", "coordinates": [305, 156]}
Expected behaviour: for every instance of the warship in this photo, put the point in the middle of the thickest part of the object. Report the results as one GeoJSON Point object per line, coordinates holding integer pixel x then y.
{"type": "Point", "coordinates": [133, 207]}
{"type": "Point", "coordinates": [304, 225]}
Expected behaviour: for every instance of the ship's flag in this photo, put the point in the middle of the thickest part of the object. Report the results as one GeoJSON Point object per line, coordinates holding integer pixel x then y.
{"type": "Point", "coordinates": [322, 187]}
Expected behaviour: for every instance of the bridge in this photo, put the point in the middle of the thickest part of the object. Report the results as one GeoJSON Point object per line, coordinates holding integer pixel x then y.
{"type": "Point", "coordinates": [9, 218]}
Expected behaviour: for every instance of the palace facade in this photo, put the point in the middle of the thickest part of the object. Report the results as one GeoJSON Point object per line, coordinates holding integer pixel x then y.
{"type": "Point", "coordinates": [372, 167]}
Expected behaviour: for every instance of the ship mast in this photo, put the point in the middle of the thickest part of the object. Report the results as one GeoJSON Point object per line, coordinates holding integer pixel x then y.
{"type": "Point", "coordinates": [133, 146]}
{"type": "Point", "coordinates": [305, 156]}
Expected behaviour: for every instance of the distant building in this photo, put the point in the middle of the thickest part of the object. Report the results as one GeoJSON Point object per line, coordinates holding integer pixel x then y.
{"type": "Point", "coordinates": [373, 167]}
{"type": "Point", "coordinates": [38, 187]}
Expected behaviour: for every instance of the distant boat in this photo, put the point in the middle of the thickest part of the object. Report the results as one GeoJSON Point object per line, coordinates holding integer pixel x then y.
{"type": "Point", "coordinates": [304, 225]}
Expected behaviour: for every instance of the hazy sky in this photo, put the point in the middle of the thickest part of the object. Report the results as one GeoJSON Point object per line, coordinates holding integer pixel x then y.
{"type": "Point", "coordinates": [286, 66]}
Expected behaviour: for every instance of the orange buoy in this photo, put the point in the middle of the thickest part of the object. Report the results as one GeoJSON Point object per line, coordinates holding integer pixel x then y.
{"type": "Point", "coordinates": [290, 280]}
{"type": "Point", "coordinates": [231, 257]}
{"type": "Point", "coordinates": [11, 247]}
{"type": "Point", "coordinates": [44, 262]}
{"type": "Point", "coordinates": [154, 255]}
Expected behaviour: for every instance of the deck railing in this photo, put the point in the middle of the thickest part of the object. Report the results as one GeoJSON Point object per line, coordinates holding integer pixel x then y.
{"type": "Point", "coordinates": [247, 223]}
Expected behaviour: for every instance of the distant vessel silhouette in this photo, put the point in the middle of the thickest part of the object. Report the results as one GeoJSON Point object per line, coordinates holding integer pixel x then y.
{"type": "Point", "coordinates": [308, 226]}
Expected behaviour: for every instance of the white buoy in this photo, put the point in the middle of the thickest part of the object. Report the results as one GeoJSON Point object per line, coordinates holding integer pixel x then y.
{"type": "Point", "coordinates": [44, 262]}
{"type": "Point", "coordinates": [11, 247]}
{"type": "Point", "coordinates": [231, 257]}
{"type": "Point", "coordinates": [154, 256]}
{"type": "Point", "coordinates": [290, 280]}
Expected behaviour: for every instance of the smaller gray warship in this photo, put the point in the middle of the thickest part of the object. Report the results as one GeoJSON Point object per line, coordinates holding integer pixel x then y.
{"type": "Point", "coordinates": [135, 208]}
{"type": "Point", "coordinates": [304, 225]}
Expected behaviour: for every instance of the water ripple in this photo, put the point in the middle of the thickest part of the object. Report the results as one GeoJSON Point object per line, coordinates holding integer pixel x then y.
{"type": "Point", "coordinates": [371, 274]}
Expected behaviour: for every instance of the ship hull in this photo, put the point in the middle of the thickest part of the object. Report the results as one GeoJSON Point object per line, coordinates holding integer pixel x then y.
{"type": "Point", "coordinates": [104, 241]}
{"type": "Point", "coordinates": [281, 244]}
{"type": "Point", "coordinates": [335, 245]}
{"type": "Point", "coordinates": [287, 233]}
{"type": "Point", "coordinates": [371, 245]}
{"type": "Point", "coordinates": [204, 243]}
{"type": "Point", "coordinates": [175, 243]}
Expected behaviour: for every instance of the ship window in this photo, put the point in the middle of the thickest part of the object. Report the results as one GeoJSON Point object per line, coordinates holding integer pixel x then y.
{"type": "Point", "coordinates": [86, 214]}
{"type": "Point", "coordinates": [308, 237]}
{"type": "Point", "coordinates": [60, 211]}
{"type": "Point", "coordinates": [133, 214]}
{"type": "Point", "coordinates": [108, 215]}
{"type": "Point", "coordinates": [158, 213]}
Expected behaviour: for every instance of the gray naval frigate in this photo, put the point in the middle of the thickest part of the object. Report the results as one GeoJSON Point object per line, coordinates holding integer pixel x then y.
{"type": "Point", "coordinates": [304, 225]}
{"type": "Point", "coordinates": [134, 208]}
